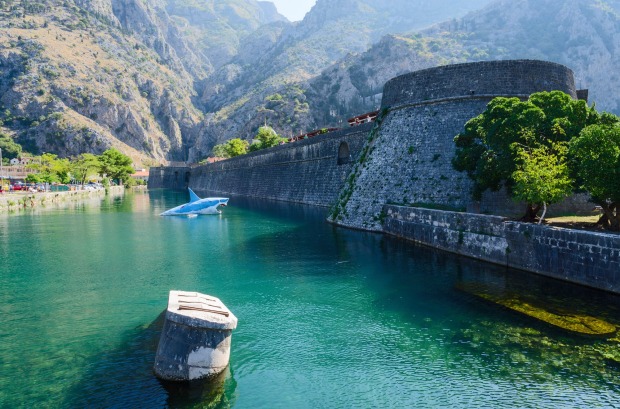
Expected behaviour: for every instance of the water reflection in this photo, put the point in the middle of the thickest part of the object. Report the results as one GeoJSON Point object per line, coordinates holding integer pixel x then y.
{"type": "Point", "coordinates": [129, 369]}
{"type": "Point", "coordinates": [217, 392]}
{"type": "Point", "coordinates": [509, 288]}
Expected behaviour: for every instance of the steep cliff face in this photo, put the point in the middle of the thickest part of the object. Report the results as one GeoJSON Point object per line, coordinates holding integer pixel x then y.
{"type": "Point", "coordinates": [74, 85]}
{"type": "Point", "coordinates": [218, 28]}
{"type": "Point", "coordinates": [100, 8]}
{"type": "Point", "coordinates": [150, 22]}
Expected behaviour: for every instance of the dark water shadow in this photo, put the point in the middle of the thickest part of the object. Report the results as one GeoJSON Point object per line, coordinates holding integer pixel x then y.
{"type": "Point", "coordinates": [164, 199]}
{"type": "Point", "coordinates": [124, 378]}
{"type": "Point", "coordinates": [215, 392]}
{"type": "Point", "coordinates": [417, 281]}
{"type": "Point", "coordinates": [287, 210]}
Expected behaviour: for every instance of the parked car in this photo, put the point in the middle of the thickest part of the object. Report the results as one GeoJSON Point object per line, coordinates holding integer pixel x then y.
{"type": "Point", "coordinates": [18, 186]}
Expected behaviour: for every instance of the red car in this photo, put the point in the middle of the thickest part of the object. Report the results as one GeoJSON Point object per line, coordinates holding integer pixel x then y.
{"type": "Point", "coordinates": [17, 186]}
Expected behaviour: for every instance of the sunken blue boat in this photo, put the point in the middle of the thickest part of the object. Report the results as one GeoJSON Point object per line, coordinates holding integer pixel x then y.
{"type": "Point", "coordinates": [197, 205]}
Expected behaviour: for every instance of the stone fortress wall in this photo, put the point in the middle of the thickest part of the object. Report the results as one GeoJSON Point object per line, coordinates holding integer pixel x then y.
{"type": "Point", "coordinates": [311, 171]}
{"type": "Point", "coordinates": [169, 177]}
{"type": "Point", "coordinates": [406, 159]}
{"type": "Point", "coordinates": [366, 173]}
{"type": "Point", "coordinates": [409, 157]}
{"type": "Point", "coordinates": [582, 257]}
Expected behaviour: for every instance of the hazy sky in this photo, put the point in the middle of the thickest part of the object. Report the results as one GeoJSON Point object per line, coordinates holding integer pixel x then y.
{"type": "Point", "coordinates": [294, 10]}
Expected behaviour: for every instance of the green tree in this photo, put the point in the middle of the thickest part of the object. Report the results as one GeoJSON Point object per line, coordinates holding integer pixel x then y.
{"type": "Point", "coordinates": [115, 165]}
{"type": "Point", "coordinates": [219, 151]}
{"type": "Point", "coordinates": [62, 169]}
{"type": "Point", "coordinates": [595, 156]}
{"type": "Point", "coordinates": [266, 137]}
{"type": "Point", "coordinates": [236, 147]}
{"type": "Point", "coordinates": [230, 149]}
{"type": "Point", "coordinates": [10, 149]}
{"type": "Point", "coordinates": [33, 178]}
{"type": "Point", "coordinates": [84, 166]}
{"type": "Point", "coordinates": [486, 148]}
{"type": "Point", "coordinates": [542, 175]}
{"type": "Point", "coordinates": [47, 167]}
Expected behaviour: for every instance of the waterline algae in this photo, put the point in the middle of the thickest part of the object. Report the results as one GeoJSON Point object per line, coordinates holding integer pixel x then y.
{"type": "Point", "coordinates": [560, 318]}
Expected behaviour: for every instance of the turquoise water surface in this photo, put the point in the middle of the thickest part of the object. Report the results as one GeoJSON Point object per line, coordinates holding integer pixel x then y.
{"type": "Point", "coordinates": [328, 318]}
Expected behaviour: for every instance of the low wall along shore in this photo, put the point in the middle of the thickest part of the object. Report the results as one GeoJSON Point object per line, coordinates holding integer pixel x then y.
{"type": "Point", "coordinates": [13, 202]}
{"type": "Point", "coordinates": [582, 257]}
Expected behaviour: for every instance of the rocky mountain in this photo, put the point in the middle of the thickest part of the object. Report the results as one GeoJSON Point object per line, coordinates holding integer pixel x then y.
{"type": "Point", "coordinates": [81, 76]}
{"type": "Point", "coordinates": [236, 94]}
{"type": "Point", "coordinates": [581, 34]}
{"type": "Point", "coordinates": [167, 79]}
{"type": "Point", "coordinates": [220, 27]}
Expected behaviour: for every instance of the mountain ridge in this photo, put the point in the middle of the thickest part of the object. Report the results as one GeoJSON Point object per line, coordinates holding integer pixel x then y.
{"type": "Point", "coordinates": [145, 76]}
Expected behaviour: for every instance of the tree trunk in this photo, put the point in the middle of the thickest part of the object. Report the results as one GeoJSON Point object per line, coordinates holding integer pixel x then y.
{"type": "Point", "coordinates": [530, 213]}
{"type": "Point", "coordinates": [544, 213]}
{"type": "Point", "coordinates": [614, 217]}
{"type": "Point", "coordinates": [610, 219]}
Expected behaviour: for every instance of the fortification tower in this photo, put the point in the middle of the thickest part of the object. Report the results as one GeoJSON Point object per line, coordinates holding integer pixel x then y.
{"type": "Point", "coordinates": [408, 157]}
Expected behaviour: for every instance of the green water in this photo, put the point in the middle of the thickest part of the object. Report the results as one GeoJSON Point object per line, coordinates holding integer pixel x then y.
{"type": "Point", "coordinates": [328, 318]}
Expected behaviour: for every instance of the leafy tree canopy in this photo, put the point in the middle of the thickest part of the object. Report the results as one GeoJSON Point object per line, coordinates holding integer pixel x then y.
{"type": "Point", "coordinates": [62, 169]}
{"type": "Point", "coordinates": [595, 157]}
{"type": "Point", "coordinates": [47, 166]}
{"type": "Point", "coordinates": [542, 175]}
{"type": "Point", "coordinates": [486, 150]}
{"type": "Point", "coordinates": [511, 137]}
{"type": "Point", "coordinates": [231, 148]}
{"type": "Point", "coordinates": [10, 149]}
{"type": "Point", "coordinates": [115, 165]}
{"type": "Point", "coordinates": [84, 166]}
{"type": "Point", "coordinates": [33, 178]}
{"type": "Point", "coordinates": [266, 137]}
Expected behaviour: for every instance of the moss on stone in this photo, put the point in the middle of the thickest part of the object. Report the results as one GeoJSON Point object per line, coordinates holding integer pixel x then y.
{"type": "Point", "coordinates": [577, 323]}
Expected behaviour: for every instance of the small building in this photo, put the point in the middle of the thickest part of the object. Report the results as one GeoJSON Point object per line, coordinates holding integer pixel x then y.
{"type": "Point", "coordinates": [26, 160]}
{"type": "Point", "coordinates": [141, 174]}
{"type": "Point", "coordinates": [14, 162]}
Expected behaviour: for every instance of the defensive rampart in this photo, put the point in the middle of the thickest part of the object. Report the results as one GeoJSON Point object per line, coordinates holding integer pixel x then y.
{"type": "Point", "coordinates": [405, 158]}
{"type": "Point", "coordinates": [408, 160]}
{"type": "Point", "coordinates": [582, 257]}
{"type": "Point", "coordinates": [176, 178]}
{"type": "Point", "coordinates": [310, 171]}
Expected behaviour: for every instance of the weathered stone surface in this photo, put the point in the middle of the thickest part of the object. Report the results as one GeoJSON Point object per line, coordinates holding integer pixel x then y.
{"type": "Point", "coordinates": [196, 338]}
{"type": "Point", "coordinates": [173, 177]}
{"type": "Point", "coordinates": [582, 257]}
{"type": "Point", "coordinates": [409, 160]}
{"type": "Point", "coordinates": [487, 78]}
{"type": "Point", "coordinates": [308, 171]}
